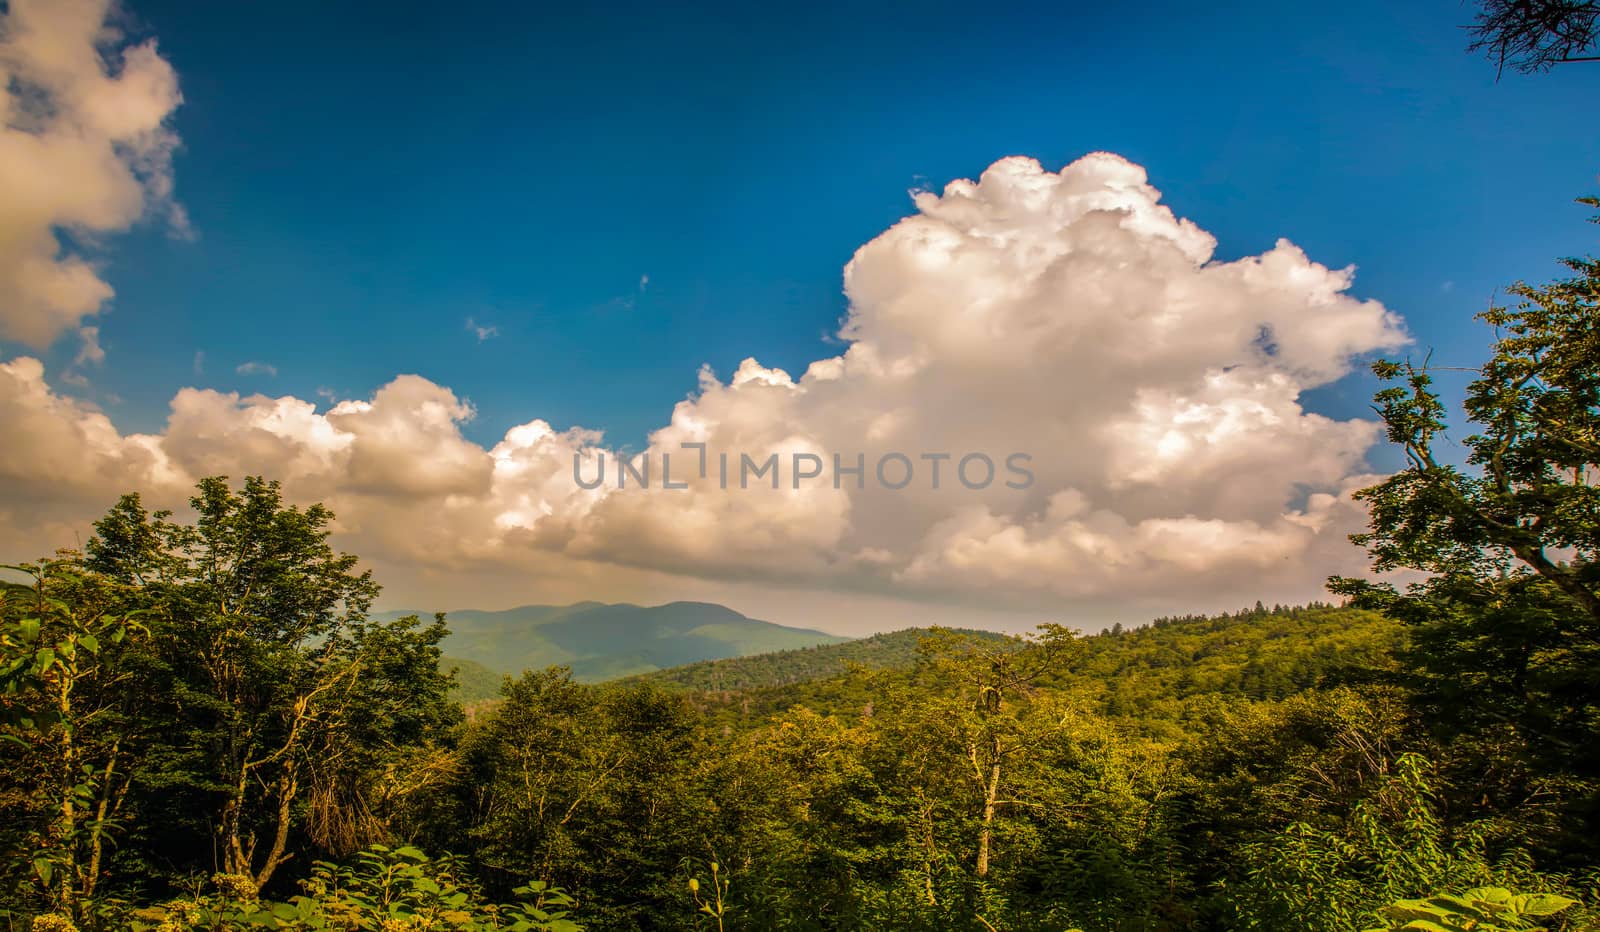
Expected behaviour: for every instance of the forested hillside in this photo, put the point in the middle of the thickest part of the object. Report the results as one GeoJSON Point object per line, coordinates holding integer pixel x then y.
{"type": "Point", "coordinates": [599, 641]}
{"type": "Point", "coordinates": [1142, 672]}
{"type": "Point", "coordinates": [889, 650]}
{"type": "Point", "coordinates": [1256, 653]}
{"type": "Point", "coordinates": [473, 683]}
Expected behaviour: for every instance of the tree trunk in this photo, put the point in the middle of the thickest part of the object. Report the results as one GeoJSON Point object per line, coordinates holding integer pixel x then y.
{"type": "Point", "coordinates": [236, 856]}
{"type": "Point", "coordinates": [1563, 578]}
{"type": "Point", "coordinates": [288, 786]}
{"type": "Point", "coordinates": [991, 793]}
{"type": "Point", "coordinates": [98, 832]}
{"type": "Point", "coordinates": [67, 823]}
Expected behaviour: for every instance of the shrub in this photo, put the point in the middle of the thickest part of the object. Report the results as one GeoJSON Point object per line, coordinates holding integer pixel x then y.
{"type": "Point", "coordinates": [381, 889]}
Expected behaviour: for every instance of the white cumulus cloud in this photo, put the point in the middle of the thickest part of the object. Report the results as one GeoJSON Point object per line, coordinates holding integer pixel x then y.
{"type": "Point", "coordinates": [1068, 315]}
{"type": "Point", "coordinates": [84, 150]}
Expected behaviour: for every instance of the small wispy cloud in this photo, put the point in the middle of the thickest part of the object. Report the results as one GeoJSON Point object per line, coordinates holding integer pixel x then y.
{"type": "Point", "coordinates": [481, 331]}
{"type": "Point", "coordinates": [200, 362]}
{"type": "Point", "coordinates": [90, 353]}
{"type": "Point", "coordinates": [257, 368]}
{"type": "Point", "coordinates": [627, 302]}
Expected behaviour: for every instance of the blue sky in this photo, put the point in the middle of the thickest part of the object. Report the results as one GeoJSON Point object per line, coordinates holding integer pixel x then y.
{"type": "Point", "coordinates": [362, 178]}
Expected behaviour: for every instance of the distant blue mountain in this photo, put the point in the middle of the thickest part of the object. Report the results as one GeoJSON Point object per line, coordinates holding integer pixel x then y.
{"type": "Point", "coordinates": [602, 642]}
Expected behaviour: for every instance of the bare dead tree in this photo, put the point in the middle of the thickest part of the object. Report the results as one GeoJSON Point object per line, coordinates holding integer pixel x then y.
{"type": "Point", "coordinates": [1536, 35]}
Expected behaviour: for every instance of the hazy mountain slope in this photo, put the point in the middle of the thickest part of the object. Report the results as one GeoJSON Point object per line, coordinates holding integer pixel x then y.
{"type": "Point", "coordinates": [474, 681]}
{"type": "Point", "coordinates": [601, 641]}
{"type": "Point", "coordinates": [892, 649]}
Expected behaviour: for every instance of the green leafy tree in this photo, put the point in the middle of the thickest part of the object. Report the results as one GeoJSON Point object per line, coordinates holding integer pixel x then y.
{"type": "Point", "coordinates": [992, 716]}
{"type": "Point", "coordinates": [1528, 498]}
{"type": "Point", "coordinates": [68, 712]}
{"type": "Point", "coordinates": [1507, 620]}
{"type": "Point", "coordinates": [279, 685]}
{"type": "Point", "coordinates": [587, 788]}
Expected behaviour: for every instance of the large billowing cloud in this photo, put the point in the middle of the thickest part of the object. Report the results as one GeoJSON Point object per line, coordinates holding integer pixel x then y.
{"type": "Point", "coordinates": [1068, 315]}
{"type": "Point", "coordinates": [84, 150]}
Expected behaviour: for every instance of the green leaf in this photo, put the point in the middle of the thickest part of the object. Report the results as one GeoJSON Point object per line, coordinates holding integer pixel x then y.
{"type": "Point", "coordinates": [1540, 904]}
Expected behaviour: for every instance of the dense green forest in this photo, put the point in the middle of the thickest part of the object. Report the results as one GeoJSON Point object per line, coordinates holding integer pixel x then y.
{"type": "Point", "coordinates": [782, 668]}
{"type": "Point", "coordinates": [473, 682]}
{"type": "Point", "coordinates": [204, 727]}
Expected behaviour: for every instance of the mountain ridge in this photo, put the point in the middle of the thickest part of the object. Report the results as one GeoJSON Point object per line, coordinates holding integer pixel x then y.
{"type": "Point", "coordinates": [601, 640]}
{"type": "Point", "coordinates": [773, 669]}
